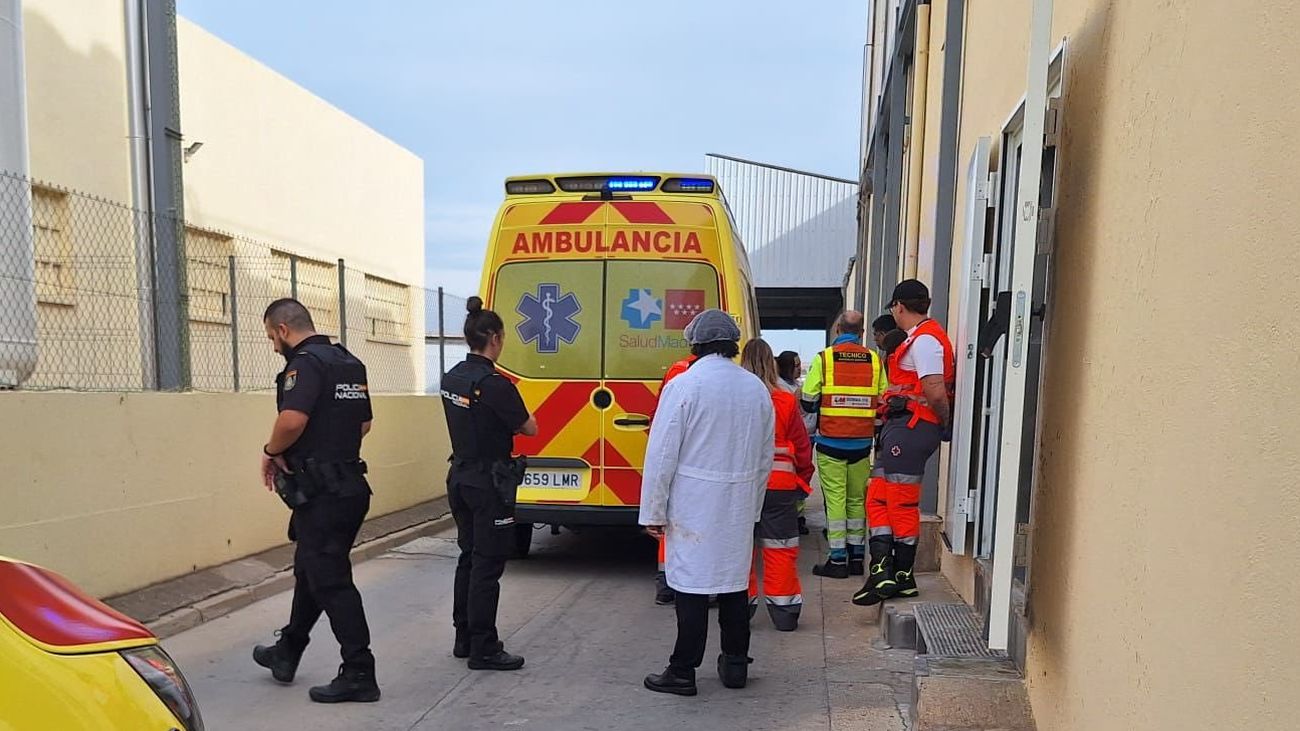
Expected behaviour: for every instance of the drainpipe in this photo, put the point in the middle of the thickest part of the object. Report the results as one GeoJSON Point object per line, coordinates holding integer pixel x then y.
{"type": "Point", "coordinates": [916, 135]}
{"type": "Point", "coordinates": [137, 90]}
{"type": "Point", "coordinates": [17, 258]}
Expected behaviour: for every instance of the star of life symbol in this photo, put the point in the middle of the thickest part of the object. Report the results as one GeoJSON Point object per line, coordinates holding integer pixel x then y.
{"type": "Point", "coordinates": [641, 309]}
{"type": "Point", "coordinates": [548, 318]}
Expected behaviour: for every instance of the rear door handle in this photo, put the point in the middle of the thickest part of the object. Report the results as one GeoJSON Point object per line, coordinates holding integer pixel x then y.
{"type": "Point", "coordinates": [632, 421]}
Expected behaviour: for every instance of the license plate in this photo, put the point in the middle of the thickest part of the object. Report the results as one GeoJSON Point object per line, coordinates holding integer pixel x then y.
{"type": "Point", "coordinates": [553, 479]}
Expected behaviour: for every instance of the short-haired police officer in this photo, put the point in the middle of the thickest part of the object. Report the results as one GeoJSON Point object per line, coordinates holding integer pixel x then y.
{"type": "Point", "coordinates": [484, 412]}
{"type": "Point", "coordinates": [313, 461]}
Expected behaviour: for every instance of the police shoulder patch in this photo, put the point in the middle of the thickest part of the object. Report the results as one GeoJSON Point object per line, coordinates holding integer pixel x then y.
{"type": "Point", "coordinates": [290, 380]}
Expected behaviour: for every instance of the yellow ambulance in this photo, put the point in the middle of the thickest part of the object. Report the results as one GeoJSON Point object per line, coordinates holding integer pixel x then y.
{"type": "Point", "coordinates": [596, 276]}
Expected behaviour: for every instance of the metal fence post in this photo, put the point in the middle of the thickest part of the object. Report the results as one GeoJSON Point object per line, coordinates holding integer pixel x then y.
{"type": "Point", "coordinates": [293, 276]}
{"type": "Point", "coordinates": [234, 327]}
{"type": "Point", "coordinates": [343, 304]}
{"type": "Point", "coordinates": [442, 337]}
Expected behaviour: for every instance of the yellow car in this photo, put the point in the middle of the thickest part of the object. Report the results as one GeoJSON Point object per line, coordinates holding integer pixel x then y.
{"type": "Point", "coordinates": [70, 662]}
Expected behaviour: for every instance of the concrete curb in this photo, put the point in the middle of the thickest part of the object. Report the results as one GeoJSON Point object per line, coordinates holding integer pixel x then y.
{"type": "Point", "coordinates": [188, 617]}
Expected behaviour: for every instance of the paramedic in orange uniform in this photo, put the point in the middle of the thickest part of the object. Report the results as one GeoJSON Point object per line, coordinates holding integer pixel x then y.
{"type": "Point", "coordinates": [778, 528]}
{"type": "Point", "coordinates": [918, 415]}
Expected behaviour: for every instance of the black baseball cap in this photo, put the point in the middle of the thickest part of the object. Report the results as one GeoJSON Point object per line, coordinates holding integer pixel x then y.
{"type": "Point", "coordinates": [909, 289]}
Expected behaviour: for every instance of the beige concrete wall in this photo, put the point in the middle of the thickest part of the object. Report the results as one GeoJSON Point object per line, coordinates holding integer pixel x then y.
{"type": "Point", "coordinates": [1167, 513]}
{"type": "Point", "coordinates": [283, 167]}
{"type": "Point", "coordinates": [118, 491]}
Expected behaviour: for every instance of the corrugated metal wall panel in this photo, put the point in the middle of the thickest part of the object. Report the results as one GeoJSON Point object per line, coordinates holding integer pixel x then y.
{"type": "Point", "coordinates": [800, 229]}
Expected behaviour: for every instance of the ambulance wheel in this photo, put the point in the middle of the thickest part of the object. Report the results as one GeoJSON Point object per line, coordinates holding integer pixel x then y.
{"type": "Point", "coordinates": [523, 539]}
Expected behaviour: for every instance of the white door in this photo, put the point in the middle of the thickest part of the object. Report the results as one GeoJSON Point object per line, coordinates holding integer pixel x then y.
{"type": "Point", "coordinates": [1024, 250]}
{"type": "Point", "coordinates": [975, 279]}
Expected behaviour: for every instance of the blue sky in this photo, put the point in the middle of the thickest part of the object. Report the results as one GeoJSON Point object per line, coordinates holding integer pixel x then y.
{"type": "Point", "coordinates": [488, 89]}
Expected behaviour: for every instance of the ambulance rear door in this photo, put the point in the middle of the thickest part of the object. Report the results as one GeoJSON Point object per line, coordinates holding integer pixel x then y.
{"type": "Point", "coordinates": [663, 267]}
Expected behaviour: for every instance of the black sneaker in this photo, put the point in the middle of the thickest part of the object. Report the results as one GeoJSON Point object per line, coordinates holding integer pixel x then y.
{"type": "Point", "coordinates": [832, 569]}
{"type": "Point", "coordinates": [280, 659]}
{"type": "Point", "coordinates": [670, 682]}
{"type": "Point", "coordinates": [906, 585]}
{"type": "Point", "coordinates": [351, 686]}
{"type": "Point", "coordinates": [733, 670]}
{"type": "Point", "coordinates": [857, 566]}
{"type": "Point", "coordinates": [501, 660]}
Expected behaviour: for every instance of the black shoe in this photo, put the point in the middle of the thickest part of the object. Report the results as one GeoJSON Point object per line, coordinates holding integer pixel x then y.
{"type": "Point", "coordinates": [733, 670]}
{"type": "Point", "coordinates": [906, 581]}
{"type": "Point", "coordinates": [351, 686]}
{"type": "Point", "coordinates": [502, 660]}
{"type": "Point", "coordinates": [832, 569]}
{"type": "Point", "coordinates": [857, 566]}
{"type": "Point", "coordinates": [670, 682]}
{"type": "Point", "coordinates": [280, 659]}
{"type": "Point", "coordinates": [803, 526]}
{"type": "Point", "coordinates": [460, 649]}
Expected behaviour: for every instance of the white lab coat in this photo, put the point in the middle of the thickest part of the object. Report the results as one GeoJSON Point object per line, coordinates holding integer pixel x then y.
{"type": "Point", "coordinates": [706, 470]}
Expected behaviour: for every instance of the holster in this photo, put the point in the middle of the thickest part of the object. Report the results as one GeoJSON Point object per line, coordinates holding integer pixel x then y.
{"type": "Point", "coordinates": [294, 491]}
{"type": "Point", "coordinates": [507, 476]}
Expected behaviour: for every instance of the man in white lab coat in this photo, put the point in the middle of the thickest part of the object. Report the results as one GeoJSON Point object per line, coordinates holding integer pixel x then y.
{"type": "Point", "coordinates": [706, 471]}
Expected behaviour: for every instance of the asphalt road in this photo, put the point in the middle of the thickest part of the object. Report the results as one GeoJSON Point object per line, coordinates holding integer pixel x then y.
{"type": "Point", "coordinates": [581, 611]}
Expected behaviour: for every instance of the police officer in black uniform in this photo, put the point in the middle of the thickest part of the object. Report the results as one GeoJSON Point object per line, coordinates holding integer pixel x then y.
{"type": "Point", "coordinates": [313, 461]}
{"type": "Point", "coordinates": [484, 412]}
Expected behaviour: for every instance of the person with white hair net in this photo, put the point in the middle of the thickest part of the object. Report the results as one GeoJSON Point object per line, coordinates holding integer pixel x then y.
{"type": "Point", "coordinates": [706, 472]}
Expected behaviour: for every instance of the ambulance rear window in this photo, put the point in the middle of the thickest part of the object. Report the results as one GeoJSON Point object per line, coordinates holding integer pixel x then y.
{"type": "Point", "coordinates": [552, 314]}
{"type": "Point", "coordinates": [647, 305]}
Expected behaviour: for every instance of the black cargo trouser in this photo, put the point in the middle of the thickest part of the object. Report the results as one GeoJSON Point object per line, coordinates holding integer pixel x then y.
{"type": "Point", "coordinates": [325, 530]}
{"type": "Point", "coordinates": [485, 534]}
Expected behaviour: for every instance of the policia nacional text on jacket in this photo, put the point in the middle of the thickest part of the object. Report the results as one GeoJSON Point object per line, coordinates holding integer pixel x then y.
{"type": "Point", "coordinates": [313, 461]}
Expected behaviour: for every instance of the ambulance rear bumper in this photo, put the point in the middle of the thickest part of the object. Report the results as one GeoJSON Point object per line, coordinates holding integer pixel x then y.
{"type": "Point", "coordinates": [576, 514]}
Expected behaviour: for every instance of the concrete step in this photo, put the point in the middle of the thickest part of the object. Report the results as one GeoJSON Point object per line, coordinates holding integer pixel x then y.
{"type": "Point", "coordinates": [959, 682]}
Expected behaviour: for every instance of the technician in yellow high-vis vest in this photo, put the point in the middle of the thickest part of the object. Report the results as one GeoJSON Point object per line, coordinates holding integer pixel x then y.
{"type": "Point", "coordinates": [843, 386]}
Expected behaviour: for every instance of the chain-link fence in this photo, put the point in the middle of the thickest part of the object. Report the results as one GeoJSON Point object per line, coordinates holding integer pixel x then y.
{"type": "Point", "coordinates": [84, 305]}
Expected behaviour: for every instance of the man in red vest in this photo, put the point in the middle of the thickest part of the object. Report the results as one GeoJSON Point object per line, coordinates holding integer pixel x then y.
{"type": "Point", "coordinates": [918, 415]}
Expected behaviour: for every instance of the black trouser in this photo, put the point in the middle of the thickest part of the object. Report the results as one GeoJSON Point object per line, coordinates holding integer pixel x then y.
{"type": "Point", "coordinates": [693, 628]}
{"type": "Point", "coordinates": [486, 539]}
{"type": "Point", "coordinates": [325, 530]}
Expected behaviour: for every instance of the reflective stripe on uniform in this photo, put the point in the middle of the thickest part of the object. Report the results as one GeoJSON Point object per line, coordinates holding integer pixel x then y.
{"type": "Point", "coordinates": [882, 530]}
{"type": "Point", "coordinates": [785, 601]}
{"type": "Point", "coordinates": [899, 478]}
{"type": "Point", "coordinates": [779, 542]}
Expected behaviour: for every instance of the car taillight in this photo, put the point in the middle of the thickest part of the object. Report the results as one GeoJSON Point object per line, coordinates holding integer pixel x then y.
{"type": "Point", "coordinates": [161, 673]}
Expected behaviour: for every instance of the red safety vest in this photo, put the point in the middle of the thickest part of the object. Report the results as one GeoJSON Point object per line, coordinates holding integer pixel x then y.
{"type": "Point", "coordinates": [676, 369]}
{"type": "Point", "coordinates": [785, 472]}
{"type": "Point", "coordinates": [907, 383]}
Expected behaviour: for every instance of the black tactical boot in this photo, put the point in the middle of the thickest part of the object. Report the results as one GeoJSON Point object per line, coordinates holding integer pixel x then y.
{"type": "Point", "coordinates": [353, 685]}
{"type": "Point", "coordinates": [881, 584]}
{"type": "Point", "coordinates": [664, 593]}
{"type": "Point", "coordinates": [904, 558]}
{"type": "Point", "coordinates": [500, 660]}
{"type": "Point", "coordinates": [672, 681]}
{"type": "Point", "coordinates": [832, 569]}
{"type": "Point", "coordinates": [281, 659]}
{"type": "Point", "coordinates": [460, 648]}
{"type": "Point", "coordinates": [733, 670]}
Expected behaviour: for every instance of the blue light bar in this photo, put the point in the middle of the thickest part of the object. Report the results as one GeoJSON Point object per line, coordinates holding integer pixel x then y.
{"type": "Point", "coordinates": [632, 183]}
{"type": "Point", "coordinates": [688, 185]}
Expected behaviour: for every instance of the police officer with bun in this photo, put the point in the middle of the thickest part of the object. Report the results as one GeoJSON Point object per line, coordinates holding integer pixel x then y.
{"type": "Point", "coordinates": [484, 413]}
{"type": "Point", "coordinates": [313, 462]}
